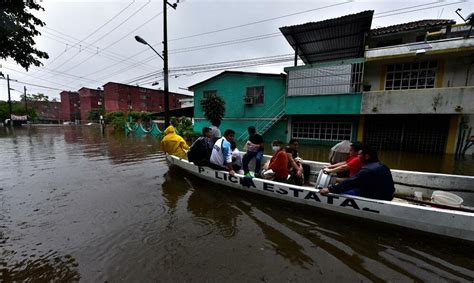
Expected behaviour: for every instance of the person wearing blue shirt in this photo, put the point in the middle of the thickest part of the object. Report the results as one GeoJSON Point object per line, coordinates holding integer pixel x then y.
{"type": "Point", "coordinates": [373, 181]}
{"type": "Point", "coordinates": [221, 156]}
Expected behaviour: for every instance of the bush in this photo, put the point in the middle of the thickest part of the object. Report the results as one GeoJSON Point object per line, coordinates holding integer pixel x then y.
{"type": "Point", "coordinates": [184, 126]}
{"type": "Point", "coordinates": [111, 116]}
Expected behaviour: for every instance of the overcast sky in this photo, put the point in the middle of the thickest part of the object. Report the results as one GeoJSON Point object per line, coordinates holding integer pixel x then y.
{"type": "Point", "coordinates": [91, 43]}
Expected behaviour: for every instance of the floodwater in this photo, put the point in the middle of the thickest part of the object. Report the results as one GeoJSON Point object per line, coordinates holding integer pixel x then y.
{"type": "Point", "coordinates": [79, 206]}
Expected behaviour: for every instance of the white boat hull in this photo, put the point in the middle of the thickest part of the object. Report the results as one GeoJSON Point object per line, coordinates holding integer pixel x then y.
{"type": "Point", "coordinates": [456, 224]}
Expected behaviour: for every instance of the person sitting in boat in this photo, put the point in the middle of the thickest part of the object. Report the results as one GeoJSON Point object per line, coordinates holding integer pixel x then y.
{"type": "Point", "coordinates": [200, 151]}
{"type": "Point", "coordinates": [221, 156]}
{"type": "Point", "coordinates": [174, 144]}
{"type": "Point", "coordinates": [374, 180]}
{"type": "Point", "coordinates": [236, 158]}
{"type": "Point", "coordinates": [278, 164]}
{"type": "Point", "coordinates": [254, 148]}
{"type": "Point", "coordinates": [215, 131]}
{"type": "Point", "coordinates": [298, 170]}
{"type": "Point", "coordinates": [350, 167]}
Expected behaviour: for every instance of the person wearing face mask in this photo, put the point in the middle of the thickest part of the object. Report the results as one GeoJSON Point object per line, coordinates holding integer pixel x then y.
{"type": "Point", "coordinates": [279, 162]}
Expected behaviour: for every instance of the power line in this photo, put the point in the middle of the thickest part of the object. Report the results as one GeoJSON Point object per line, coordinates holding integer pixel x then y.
{"type": "Point", "coordinates": [40, 86]}
{"type": "Point", "coordinates": [103, 36]}
{"type": "Point", "coordinates": [261, 21]}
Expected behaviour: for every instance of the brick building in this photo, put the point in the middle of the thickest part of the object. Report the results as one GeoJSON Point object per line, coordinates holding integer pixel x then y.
{"type": "Point", "coordinates": [70, 105]}
{"type": "Point", "coordinates": [89, 100]}
{"type": "Point", "coordinates": [120, 97]}
{"type": "Point", "coordinates": [47, 111]}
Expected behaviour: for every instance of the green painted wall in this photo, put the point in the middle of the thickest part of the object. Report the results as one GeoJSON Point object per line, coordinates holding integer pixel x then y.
{"type": "Point", "coordinates": [238, 116]}
{"type": "Point", "coordinates": [323, 104]}
{"type": "Point", "coordinates": [232, 87]}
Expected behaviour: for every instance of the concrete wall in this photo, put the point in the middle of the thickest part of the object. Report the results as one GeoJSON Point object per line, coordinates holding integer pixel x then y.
{"type": "Point", "coordinates": [419, 101]}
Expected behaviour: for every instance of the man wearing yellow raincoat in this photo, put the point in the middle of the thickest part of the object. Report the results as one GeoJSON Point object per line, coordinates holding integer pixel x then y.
{"type": "Point", "coordinates": [174, 144]}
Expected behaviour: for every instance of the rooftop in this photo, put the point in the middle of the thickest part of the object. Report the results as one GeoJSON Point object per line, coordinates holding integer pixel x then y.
{"type": "Point", "coordinates": [423, 24]}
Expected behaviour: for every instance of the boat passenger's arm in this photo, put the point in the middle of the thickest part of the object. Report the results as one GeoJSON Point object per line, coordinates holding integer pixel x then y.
{"type": "Point", "coordinates": [338, 169]}
{"type": "Point", "coordinates": [336, 165]}
{"type": "Point", "coordinates": [350, 183]}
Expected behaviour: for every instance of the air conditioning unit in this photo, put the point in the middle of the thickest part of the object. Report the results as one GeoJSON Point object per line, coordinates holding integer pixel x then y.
{"type": "Point", "coordinates": [249, 100]}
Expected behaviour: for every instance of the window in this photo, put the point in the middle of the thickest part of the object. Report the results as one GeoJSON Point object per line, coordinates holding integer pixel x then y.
{"type": "Point", "coordinates": [208, 93]}
{"type": "Point", "coordinates": [411, 75]}
{"type": "Point", "coordinates": [326, 131]}
{"type": "Point", "coordinates": [256, 93]}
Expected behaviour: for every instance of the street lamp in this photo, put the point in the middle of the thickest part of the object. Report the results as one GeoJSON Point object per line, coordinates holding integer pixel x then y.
{"type": "Point", "coordinates": [164, 57]}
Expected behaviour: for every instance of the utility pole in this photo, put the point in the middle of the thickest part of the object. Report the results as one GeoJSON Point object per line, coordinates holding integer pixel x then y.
{"type": "Point", "coordinates": [165, 59]}
{"type": "Point", "coordinates": [26, 105]}
{"type": "Point", "coordinates": [9, 99]}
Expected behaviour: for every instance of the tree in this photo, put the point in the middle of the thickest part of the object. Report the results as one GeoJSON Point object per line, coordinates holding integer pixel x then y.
{"type": "Point", "coordinates": [17, 30]}
{"type": "Point", "coordinates": [213, 107]}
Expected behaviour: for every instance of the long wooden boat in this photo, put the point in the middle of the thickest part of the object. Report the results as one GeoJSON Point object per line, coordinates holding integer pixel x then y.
{"type": "Point", "coordinates": [450, 223]}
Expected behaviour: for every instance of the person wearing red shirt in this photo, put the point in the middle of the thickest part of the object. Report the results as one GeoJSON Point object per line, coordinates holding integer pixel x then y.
{"type": "Point", "coordinates": [353, 164]}
{"type": "Point", "coordinates": [279, 162]}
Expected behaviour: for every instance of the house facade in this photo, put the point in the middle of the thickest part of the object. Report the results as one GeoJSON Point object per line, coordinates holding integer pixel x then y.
{"type": "Point", "coordinates": [90, 99]}
{"type": "Point", "coordinates": [70, 106]}
{"type": "Point", "coordinates": [407, 87]}
{"type": "Point", "coordinates": [251, 99]}
{"type": "Point", "coordinates": [411, 89]}
{"type": "Point", "coordinates": [122, 97]}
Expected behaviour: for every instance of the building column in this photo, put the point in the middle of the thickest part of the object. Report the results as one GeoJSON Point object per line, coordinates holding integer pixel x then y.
{"type": "Point", "coordinates": [360, 128]}
{"type": "Point", "coordinates": [454, 123]}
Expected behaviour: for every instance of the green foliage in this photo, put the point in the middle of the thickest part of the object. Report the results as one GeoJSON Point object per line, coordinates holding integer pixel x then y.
{"type": "Point", "coordinates": [17, 30]}
{"type": "Point", "coordinates": [140, 116]}
{"type": "Point", "coordinates": [184, 126]}
{"type": "Point", "coordinates": [109, 117]}
{"type": "Point", "coordinates": [213, 107]}
{"type": "Point", "coordinates": [116, 119]}
{"type": "Point", "coordinates": [17, 109]}
{"type": "Point", "coordinates": [94, 114]}
{"type": "Point", "coordinates": [119, 123]}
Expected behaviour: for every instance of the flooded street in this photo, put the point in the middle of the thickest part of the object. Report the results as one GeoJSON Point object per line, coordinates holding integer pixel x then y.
{"type": "Point", "coordinates": [79, 206]}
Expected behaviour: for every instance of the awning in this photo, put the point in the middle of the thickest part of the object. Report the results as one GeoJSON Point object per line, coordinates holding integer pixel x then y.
{"type": "Point", "coordinates": [331, 39]}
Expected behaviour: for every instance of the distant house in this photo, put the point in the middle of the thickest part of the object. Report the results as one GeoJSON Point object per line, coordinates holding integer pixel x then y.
{"type": "Point", "coordinates": [89, 100]}
{"type": "Point", "coordinates": [47, 111]}
{"type": "Point", "coordinates": [70, 105]}
{"type": "Point", "coordinates": [122, 97]}
{"type": "Point", "coordinates": [251, 99]}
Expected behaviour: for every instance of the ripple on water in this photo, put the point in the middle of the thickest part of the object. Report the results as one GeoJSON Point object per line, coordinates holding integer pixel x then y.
{"type": "Point", "coordinates": [205, 227]}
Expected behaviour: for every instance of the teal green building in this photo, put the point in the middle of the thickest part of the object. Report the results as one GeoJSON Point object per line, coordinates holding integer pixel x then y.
{"type": "Point", "coordinates": [251, 99]}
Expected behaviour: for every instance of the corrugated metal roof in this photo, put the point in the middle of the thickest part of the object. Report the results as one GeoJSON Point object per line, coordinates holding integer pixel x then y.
{"type": "Point", "coordinates": [412, 26]}
{"type": "Point", "coordinates": [331, 39]}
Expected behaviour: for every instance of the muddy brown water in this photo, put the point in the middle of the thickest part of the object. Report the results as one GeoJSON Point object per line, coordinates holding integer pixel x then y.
{"type": "Point", "coordinates": [79, 206]}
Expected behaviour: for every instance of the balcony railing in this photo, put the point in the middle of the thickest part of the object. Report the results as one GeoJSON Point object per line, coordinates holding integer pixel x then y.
{"type": "Point", "coordinates": [324, 79]}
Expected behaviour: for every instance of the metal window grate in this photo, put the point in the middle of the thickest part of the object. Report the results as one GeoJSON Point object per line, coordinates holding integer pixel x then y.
{"type": "Point", "coordinates": [256, 94]}
{"type": "Point", "coordinates": [416, 75]}
{"type": "Point", "coordinates": [326, 80]}
{"type": "Point", "coordinates": [426, 133]}
{"type": "Point", "coordinates": [326, 131]}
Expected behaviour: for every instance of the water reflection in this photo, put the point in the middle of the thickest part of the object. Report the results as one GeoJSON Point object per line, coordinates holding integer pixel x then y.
{"type": "Point", "coordinates": [310, 238]}
{"type": "Point", "coordinates": [50, 267]}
